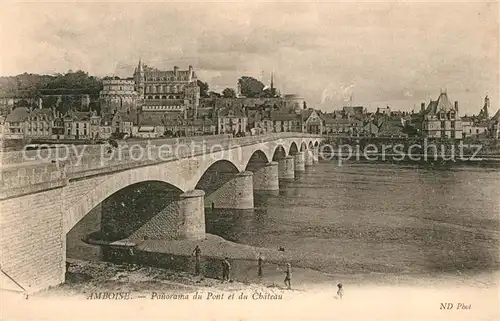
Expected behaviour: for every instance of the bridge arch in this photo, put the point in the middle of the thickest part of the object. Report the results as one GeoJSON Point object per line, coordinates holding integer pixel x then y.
{"type": "Point", "coordinates": [279, 152]}
{"type": "Point", "coordinates": [147, 208]}
{"type": "Point", "coordinates": [258, 160]}
{"type": "Point", "coordinates": [216, 175]}
{"type": "Point", "coordinates": [293, 149]}
{"type": "Point", "coordinates": [104, 187]}
{"type": "Point", "coordinates": [226, 186]}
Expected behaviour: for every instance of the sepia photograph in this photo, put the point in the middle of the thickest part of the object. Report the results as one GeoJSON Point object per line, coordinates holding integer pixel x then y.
{"type": "Point", "coordinates": [249, 160]}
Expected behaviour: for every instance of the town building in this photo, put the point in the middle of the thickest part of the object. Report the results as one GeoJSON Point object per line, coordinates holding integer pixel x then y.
{"type": "Point", "coordinates": [25, 123]}
{"type": "Point", "coordinates": [105, 126]}
{"type": "Point", "coordinates": [149, 127]}
{"type": "Point", "coordinates": [77, 125]}
{"type": "Point", "coordinates": [440, 119]}
{"type": "Point", "coordinates": [40, 123]}
{"type": "Point", "coordinates": [122, 124]}
{"type": "Point", "coordinates": [118, 95]}
{"type": "Point", "coordinates": [494, 126]}
{"type": "Point", "coordinates": [189, 127]}
{"type": "Point", "coordinates": [384, 111]}
{"type": "Point", "coordinates": [336, 125]}
{"type": "Point", "coordinates": [278, 122]}
{"type": "Point", "coordinates": [231, 121]}
{"type": "Point", "coordinates": [477, 126]}
{"type": "Point", "coordinates": [15, 123]}
{"type": "Point", "coordinates": [370, 129]}
{"type": "Point", "coordinates": [354, 110]}
{"type": "Point", "coordinates": [95, 125]}
{"type": "Point", "coordinates": [311, 121]}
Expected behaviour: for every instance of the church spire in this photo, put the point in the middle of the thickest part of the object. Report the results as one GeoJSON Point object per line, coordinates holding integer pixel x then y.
{"type": "Point", "coordinates": [272, 82]}
{"type": "Point", "coordinates": [139, 66]}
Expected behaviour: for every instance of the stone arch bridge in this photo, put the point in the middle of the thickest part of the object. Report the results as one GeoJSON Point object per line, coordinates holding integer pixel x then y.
{"type": "Point", "coordinates": [44, 196]}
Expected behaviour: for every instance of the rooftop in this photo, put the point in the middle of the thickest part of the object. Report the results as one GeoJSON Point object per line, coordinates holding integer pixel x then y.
{"type": "Point", "coordinates": [442, 104]}
{"type": "Point", "coordinates": [18, 115]}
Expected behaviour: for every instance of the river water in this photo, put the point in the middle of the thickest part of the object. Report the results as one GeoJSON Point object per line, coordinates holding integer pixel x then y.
{"type": "Point", "coordinates": [378, 217]}
{"type": "Point", "coordinates": [364, 218]}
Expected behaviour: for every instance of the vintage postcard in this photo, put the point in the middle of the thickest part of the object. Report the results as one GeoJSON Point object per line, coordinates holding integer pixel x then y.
{"type": "Point", "coordinates": [249, 161]}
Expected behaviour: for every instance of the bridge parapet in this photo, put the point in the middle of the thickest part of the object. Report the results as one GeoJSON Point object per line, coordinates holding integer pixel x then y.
{"type": "Point", "coordinates": [49, 172]}
{"type": "Point", "coordinates": [17, 181]}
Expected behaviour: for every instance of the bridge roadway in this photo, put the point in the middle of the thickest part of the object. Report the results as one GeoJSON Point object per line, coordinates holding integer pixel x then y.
{"type": "Point", "coordinates": [23, 171]}
{"type": "Point", "coordinates": [42, 199]}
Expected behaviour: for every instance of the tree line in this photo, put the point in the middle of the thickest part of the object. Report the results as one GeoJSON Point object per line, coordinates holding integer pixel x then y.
{"type": "Point", "coordinates": [80, 82]}
{"type": "Point", "coordinates": [35, 85]}
{"type": "Point", "coordinates": [249, 87]}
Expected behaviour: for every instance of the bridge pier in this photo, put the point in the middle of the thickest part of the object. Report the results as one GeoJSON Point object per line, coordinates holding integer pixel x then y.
{"type": "Point", "coordinates": [300, 162]}
{"type": "Point", "coordinates": [266, 178]}
{"type": "Point", "coordinates": [308, 157]}
{"type": "Point", "coordinates": [286, 168]}
{"type": "Point", "coordinates": [192, 214]}
{"type": "Point", "coordinates": [315, 155]}
{"type": "Point", "coordinates": [237, 193]}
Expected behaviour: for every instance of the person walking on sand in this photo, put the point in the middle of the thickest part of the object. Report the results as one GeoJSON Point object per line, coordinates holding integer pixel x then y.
{"type": "Point", "coordinates": [226, 268]}
{"type": "Point", "coordinates": [288, 276]}
{"type": "Point", "coordinates": [340, 291]}
{"type": "Point", "coordinates": [261, 262]}
{"type": "Point", "coordinates": [197, 254]}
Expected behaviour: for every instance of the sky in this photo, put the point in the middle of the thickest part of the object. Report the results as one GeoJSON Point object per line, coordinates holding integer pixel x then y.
{"type": "Point", "coordinates": [378, 53]}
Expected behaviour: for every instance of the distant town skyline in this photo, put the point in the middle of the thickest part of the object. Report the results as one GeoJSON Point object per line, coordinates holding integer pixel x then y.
{"type": "Point", "coordinates": [397, 54]}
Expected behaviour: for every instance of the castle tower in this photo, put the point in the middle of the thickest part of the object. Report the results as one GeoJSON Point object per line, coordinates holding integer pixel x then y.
{"type": "Point", "coordinates": [139, 79]}
{"type": "Point", "coordinates": [486, 107]}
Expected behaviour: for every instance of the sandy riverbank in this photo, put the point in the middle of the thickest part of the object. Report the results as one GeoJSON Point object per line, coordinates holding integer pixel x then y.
{"type": "Point", "coordinates": [158, 294]}
{"type": "Point", "coordinates": [304, 272]}
{"type": "Point", "coordinates": [161, 294]}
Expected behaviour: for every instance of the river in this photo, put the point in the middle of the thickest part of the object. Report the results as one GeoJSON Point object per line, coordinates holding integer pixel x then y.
{"type": "Point", "coordinates": [364, 218]}
{"type": "Point", "coordinates": [378, 217]}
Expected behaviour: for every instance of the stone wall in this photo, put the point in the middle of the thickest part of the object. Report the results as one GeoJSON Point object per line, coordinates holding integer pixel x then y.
{"type": "Point", "coordinates": [31, 238]}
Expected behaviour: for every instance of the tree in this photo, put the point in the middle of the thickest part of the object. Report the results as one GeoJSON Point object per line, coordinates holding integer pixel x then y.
{"type": "Point", "coordinates": [250, 87]}
{"type": "Point", "coordinates": [203, 88]}
{"type": "Point", "coordinates": [229, 93]}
